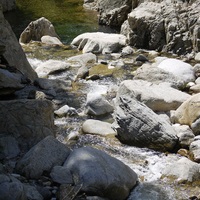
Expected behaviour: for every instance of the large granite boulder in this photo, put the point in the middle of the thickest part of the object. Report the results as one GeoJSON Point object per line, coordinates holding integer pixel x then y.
{"type": "Point", "coordinates": [166, 25]}
{"type": "Point", "coordinates": [13, 50]}
{"type": "Point", "coordinates": [153, 95]}
{"type": "Point", "coordinates": [36, 29]}
{"type": "Point", "coordinates": [138, 125]}
{"type": "Point", "coordinates": [99, 42]}
{"type": "Point", "coordinates": [28, 121]}
{"type": "Point", "coordinates": [8, 5]}
{"type": "Point", "coordinates": [42, 157]}
{"type": "Point", "coordinates": [99, 174]}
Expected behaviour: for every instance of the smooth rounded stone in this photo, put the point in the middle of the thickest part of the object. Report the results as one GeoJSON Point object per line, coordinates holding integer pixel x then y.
{"type": "Point", "coordinates": [99, 42]}
{"type": "Point", "coordinates": [97, 127]}
{"type": "Point", "coordinates": [153, 74]}
{"type": "Point", "coordinates": [82, 73]}
{"type": "Point", "coordinates": [11, 188]}
{"type": "Point", "coordinates": [9, 147]}
{"type": "Point", "coordinates": [42, 158]}
{"type": "Point", "coordinates": [188, 113]}
{"type": "Point", "coordinates": [65, 111]}
{"type": "Point", "coordinates": [91, 167]}
{"type": "Point", "coordinates": [32, 193]}
{"type": "Point", "coordinates": [61, 175]}
{"type": "Point", "coordinates": [185, 135]}
{"type": "Point", "coordinates": [153, 53]}
{"type": "Point", "coordinates": [96, 104]}
{"type": "Point", "coordinates": [13, 54]}
{"type": "Point", "coordinates": [197, 138]}
{"type": "Point", "coordinates": [182, 70]}
{"type": "Point", "coordinates": [183, 170]}
{"type": "Point", "coordinates": [153, 95]}
{"type": "Point", "coordinates": [195, 89]}
{"type": "Point", "coordinates": [141, 58]}
{"type": "Point", "coordinates": [116, 64]}
{"type": "Point", "coordinates": [10, 82]}
{"type": "Point", "coordinates": [197, 56]}
{"type": "Point", "coordinates": [50, 40]}
{"type": "Point", "coordinates": [139, 126]}
{"type": "Point", "coordinates": [197, 71]}
{"type": "Point", "coordinates": [127, 51]}
{"type": "Point", "coordinates": [36, 29]}
{"type": "Point", "coordinates": [83, 59]}
{"type": "Point", "coordinates": [51, 67]}
{"type": "Point", "coordinates": [28, 121]}
{"type": "Point", "coordinates": [195, 150]}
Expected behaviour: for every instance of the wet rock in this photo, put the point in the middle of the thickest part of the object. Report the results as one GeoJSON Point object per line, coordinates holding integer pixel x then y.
{"type": "Point", "coordinates": [51, 67]}
{"type": "Point", "coordinates": [11, 188]}
{"type": "Point", "coordinates": [13, 50]}
{"type": "Point", "coordinates": [32, 193]}
{"type": "Point", "coordinates": [65, 111]}
{"type": "Point", "coordinates": [50, 40]}
{"type": "Point", "coordinates": [185, 135]}
{"type": "Point", "coordinates": [141, 58]}
{"type": "Point", "coordinates": [127, 51]}
{"type": "Point", "coordinates": [99, 42]}
{"type": "Point", "coordinates": [195, 150]}
{"type": "Point", "coordinates": [138, 125]}
{"type": "Point", "coordinates": [182, 70]}
{"type": "Point", "coordinates": [97, 127]}
{"type": "Point", "coordinates": [96, 104]}
{"type": "Point", "coordinates": [153, 95]}
{"type": "Point", "coordinates": [28, 121]}
{"type": "Point", "coordinates": [188, 113]}
{"type": "Point", "coordinates": [112, 178]}
{"type": "Point", "coordinates": [36, 29]}
{"type": "Point", "coordinates": [42, 158]}
{"type": "Point", "coordinates": [82, 73]}
{"type": "Point", "coordinates": [183, 171]}
{"type": "Point", "coordinates": [9, 147]}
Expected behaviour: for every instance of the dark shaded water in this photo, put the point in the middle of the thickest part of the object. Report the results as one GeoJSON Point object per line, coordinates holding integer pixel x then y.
{"type": "Point", "coordinates": [68, 17]}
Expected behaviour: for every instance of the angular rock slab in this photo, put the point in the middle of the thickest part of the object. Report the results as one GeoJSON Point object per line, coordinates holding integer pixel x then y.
{"type": "Point", "coordinates": [99, 42]}
{"type": "Point", "coordinates": [139, 126]}
{"type": "Point", "coordinates": [42, 157]}
{"type": "Point", "coordinates": [28, 121]}
{"type": "Point", "coordinates": [99, 174]}
{"type": "Point", "coordinates": [153, 95]}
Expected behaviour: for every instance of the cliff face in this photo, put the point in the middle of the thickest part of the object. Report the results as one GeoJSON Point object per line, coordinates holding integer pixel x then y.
{"type": "Point", "coordinates": [7, 5]}
{"type": "Point", "coordinates": [13, 54]}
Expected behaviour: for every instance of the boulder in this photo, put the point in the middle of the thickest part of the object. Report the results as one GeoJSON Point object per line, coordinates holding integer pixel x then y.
{"type": "Point", "coordinates": [183, 171]}
{"type": "Point", "coordinates": [11, 188]}
{"type": "Point", "coordinates": [99, 42]}
{"type": "Point", "coordinates": [51, 67]}
{"type": "Point", "coordinates": [28, 121]}
{"type": "Point", "coordinates": [65, 111]}
{"type": "Point", "coordinates": [10, 82]}
{"type": "Point", "coordinates": [36, 29]}
{"type": "Point", "coordinates": [91, 167]}
{"type": "Point", "coordinates": [97, 127]}
{"type": "Point", "coordinates": [13, 50]}
{"type": "Point", "coordinates": [48, 153]}
{"type": "Point", "coordinates": [32, 193]}
{"type": "Point", "coordinates": [188, 113]}
{"type": "Point", "coordinates": [96, 104]}
{"type": "Point", "coordinates": [153, 95]}
{"type": "Point", "coordinates": [50, 40]}
{"type": "Point", "coordinates": [138, 125]}
{"type": "Point", "coordinates": [182, 70]}
{"type": "Point", "coordinates": [8, 5]}
{"type": "Point", "coordinates": [195, 150]}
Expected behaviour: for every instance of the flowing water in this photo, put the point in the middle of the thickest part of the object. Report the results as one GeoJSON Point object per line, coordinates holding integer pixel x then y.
{"type": "Point", "coordinates": [70, 20]}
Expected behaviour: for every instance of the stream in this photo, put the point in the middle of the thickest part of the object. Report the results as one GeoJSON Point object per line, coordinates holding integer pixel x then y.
{"type": "Point", "coordinates": [70, 20]}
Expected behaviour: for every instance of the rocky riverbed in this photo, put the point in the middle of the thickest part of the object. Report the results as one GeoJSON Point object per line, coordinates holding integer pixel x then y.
{"type": "Point", "coordinates": [98, 120]}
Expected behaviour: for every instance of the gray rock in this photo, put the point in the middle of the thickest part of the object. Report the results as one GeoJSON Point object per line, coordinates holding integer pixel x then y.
{"type": "Point", "coordinates": [8, 5]}
{"type": "Point", "coordinates": [61, 175]}
{"type": "Point", "coordinates": [36, 29]}
{"type": "Point", "coordinates": [42, 158]}
{"type": "Point", "coordinates": [11, 188]}
{"type": "Point", "coordinates": [13, 49]}
{"type": "Point", "coordinates": [82, 73]}
{"type": "Point", "coordinates": [141, 58]}
{"type": "Point", "coordinates": [139, 126]}
{"type": "Point", "coordinates": [195, 150]}
{"type": "Point", "coordinates": [99, 42]}
{"type": "Point", "coordinates": [9, 147]}
{"type": "Point", "coordinates": [91, 167]}
{"type": "Point", "coordinates": [97, 127]}
{"type": "Point", "coordinates": [96, 104]}
{"type": "Point", "coordinates": [153, 95]}
{"type": "Point", "coordinates": [127, 51]}
{"type": "Point", "coordinates": [28, 121]}
{"type": "Point", "coordinates": [32, 193]}
{"type": "Point", "coordinates": [65, 111]}
{"type": "Point", "coordinates": [50, 40]}
{"type": "Point", "coordinates": [184, 170]}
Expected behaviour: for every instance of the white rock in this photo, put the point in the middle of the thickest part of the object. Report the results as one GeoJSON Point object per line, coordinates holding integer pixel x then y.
{"type": "Point", "coordinates": [197, 56]}
{"type": "Point", "coordinates": [50, 40]}
{"type": "Point", "coordinates": [195, 150]}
